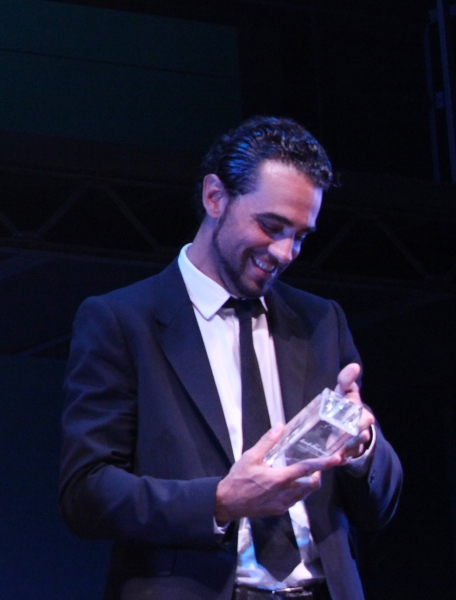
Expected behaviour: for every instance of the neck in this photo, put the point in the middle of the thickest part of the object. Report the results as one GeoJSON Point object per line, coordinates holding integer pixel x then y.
{"type": "Point", "coordinates": [200, 252]}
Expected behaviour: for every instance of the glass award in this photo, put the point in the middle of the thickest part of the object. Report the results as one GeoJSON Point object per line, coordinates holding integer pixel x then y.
{"type": "Point", "coordinates": [320, 429]}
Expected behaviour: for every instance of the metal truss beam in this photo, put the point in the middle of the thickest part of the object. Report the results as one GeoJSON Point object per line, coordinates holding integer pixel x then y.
{"type": "Point", "coordinates": [98, 212]}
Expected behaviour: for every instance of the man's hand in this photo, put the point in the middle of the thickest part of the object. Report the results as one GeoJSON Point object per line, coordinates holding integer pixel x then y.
{"type": "Point", "coordinates": [254, 489]}
{"type": "Point", "coordinates": [347, 386]}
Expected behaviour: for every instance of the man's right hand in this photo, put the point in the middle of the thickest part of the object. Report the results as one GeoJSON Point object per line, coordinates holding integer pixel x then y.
{"type": "Point", "coordinates": [254, 489]}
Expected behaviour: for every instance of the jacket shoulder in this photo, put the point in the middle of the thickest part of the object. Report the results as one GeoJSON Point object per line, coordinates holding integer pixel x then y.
{"type": "Point", "coordinates": [159, 289]}
{"type": "Point", "coordinates": [301, 301]}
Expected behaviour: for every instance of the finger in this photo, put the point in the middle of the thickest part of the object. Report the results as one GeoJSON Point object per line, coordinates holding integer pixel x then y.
{"type": "Point", "coordinates": [299, 490]}
{"type": "Point", "coordinates": [307, 485]}
{"type": "Point", "coordinates": [367, 419]}
{"type": "Point", "coordinates": [314, 480]}
{"type": "Point", "coordinates": [354, 451]}
{"type": "Point", "coordinates": [309, 466]}
{"type": "Point", "coordinates": [346, 380]}
{"type": "Point", "coordinates": [265, 443]}
{"type": "Point", "coordinates": [287, 497]}
{"type": "Point", "coordinates": [365, 436]}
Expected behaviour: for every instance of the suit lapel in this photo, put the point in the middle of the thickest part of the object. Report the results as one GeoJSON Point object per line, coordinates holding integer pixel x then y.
{"type": "Point", "coordinates": [181, 342]}
{"type": "Point", "coordinates": [291, 347]}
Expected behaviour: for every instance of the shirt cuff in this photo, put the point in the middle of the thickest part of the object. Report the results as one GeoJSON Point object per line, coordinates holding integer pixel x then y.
{"type": "Point", "coordinates": [220, 530]}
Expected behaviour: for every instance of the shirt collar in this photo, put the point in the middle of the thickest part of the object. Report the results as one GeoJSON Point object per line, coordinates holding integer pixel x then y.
{"type": "Point", "coordinates": [205, 294]}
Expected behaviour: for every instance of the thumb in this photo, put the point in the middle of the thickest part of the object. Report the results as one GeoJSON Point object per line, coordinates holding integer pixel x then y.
{"type": "Point", "coordinates": [266, 442]}
{"type": "Point", "coordinates": [346, 380]}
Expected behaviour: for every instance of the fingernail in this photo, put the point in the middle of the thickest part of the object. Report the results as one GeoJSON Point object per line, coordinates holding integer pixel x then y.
{"type": "Point", "coordinates": [316, 481]}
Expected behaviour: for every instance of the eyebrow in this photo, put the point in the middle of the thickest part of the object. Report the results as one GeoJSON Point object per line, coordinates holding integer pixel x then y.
{"type": "Point", "coordinates": [284, 221]}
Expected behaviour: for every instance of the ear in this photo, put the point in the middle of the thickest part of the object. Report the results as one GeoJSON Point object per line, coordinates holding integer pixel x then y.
{"type": "Point", "coordinates": [215, 198]}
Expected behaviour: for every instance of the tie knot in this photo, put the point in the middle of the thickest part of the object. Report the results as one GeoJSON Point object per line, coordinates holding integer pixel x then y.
{"type": "Point", "coordinates": [245, 308]}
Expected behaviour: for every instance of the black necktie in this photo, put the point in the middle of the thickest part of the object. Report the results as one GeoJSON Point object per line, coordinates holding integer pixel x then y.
{"type": "Point", "coordinates": [273, 537]}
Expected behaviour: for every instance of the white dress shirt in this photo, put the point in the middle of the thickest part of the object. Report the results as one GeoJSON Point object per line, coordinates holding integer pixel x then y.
{"type": "Point", "coordinates": [220, 332]}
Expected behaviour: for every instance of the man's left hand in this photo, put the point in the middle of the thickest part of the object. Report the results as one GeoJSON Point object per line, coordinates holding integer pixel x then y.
{"type": "Point", "coordinates": [347, 386]}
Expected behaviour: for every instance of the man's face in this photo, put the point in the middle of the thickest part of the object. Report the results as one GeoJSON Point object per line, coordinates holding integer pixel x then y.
{"type": "Point", "coordinates": [260, 233]}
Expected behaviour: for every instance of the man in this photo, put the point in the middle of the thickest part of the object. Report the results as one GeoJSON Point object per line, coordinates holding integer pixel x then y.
{"type": "Point", "coordinates": [155, 455]}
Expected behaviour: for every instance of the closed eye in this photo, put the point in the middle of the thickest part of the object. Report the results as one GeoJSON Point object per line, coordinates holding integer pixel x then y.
{"type": "Point", "coordinates": [278, 228]}
{"type": "Point", "coordinates": [271, 229]}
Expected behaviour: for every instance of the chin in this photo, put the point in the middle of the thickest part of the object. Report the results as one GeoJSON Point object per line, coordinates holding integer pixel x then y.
{"type": "Point", "coordinates": [246, 286]}
{"type": "Point", "coordinates": [256, 290]}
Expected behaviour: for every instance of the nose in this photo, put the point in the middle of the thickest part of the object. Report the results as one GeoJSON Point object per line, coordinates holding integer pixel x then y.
{"type": "Point", "coordinates": [284, 250]}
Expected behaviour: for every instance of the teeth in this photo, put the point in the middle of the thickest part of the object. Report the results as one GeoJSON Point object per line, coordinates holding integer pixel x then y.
{"type": "Point", "coordinates": [264, 266]}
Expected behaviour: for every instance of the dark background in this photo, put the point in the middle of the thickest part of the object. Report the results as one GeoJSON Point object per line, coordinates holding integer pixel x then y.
{"type": "Point", "coordinates": [107, 107]}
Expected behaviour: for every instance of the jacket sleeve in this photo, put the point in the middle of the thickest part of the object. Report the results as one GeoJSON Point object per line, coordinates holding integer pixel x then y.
{"type": "Point", "coordinates": [100, 495]}
{"type": "Point", "coordinates": [370, 501]}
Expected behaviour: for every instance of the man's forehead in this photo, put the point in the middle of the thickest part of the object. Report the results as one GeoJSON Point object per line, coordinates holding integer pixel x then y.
{"type": "Point", "coordinates": [282, 168]}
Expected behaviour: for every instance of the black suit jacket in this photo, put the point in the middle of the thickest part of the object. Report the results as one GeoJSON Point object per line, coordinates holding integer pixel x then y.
{"type": "Point", "coordinates": [145, 440]}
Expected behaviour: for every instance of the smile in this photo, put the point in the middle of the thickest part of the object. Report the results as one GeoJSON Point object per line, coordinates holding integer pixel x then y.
{"type": "Point", "coordinates": [269, 269]}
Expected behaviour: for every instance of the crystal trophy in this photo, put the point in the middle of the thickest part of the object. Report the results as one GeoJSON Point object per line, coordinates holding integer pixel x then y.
{"type": "Point", "coordinates": [320, 429]}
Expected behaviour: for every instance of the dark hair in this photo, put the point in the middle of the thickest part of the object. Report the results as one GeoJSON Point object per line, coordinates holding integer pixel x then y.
{"type": "Point", "coordinates": [236, 156]}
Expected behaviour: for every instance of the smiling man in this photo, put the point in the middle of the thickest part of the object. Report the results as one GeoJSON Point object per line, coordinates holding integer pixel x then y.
{"type": "Point", "coordinates": [174, 382]}
{"type": "Point", "coordinates": [244, 245]}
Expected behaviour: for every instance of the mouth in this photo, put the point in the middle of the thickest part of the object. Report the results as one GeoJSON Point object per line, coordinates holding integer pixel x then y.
{"type": "Point", "coordinates": [268, 269]}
